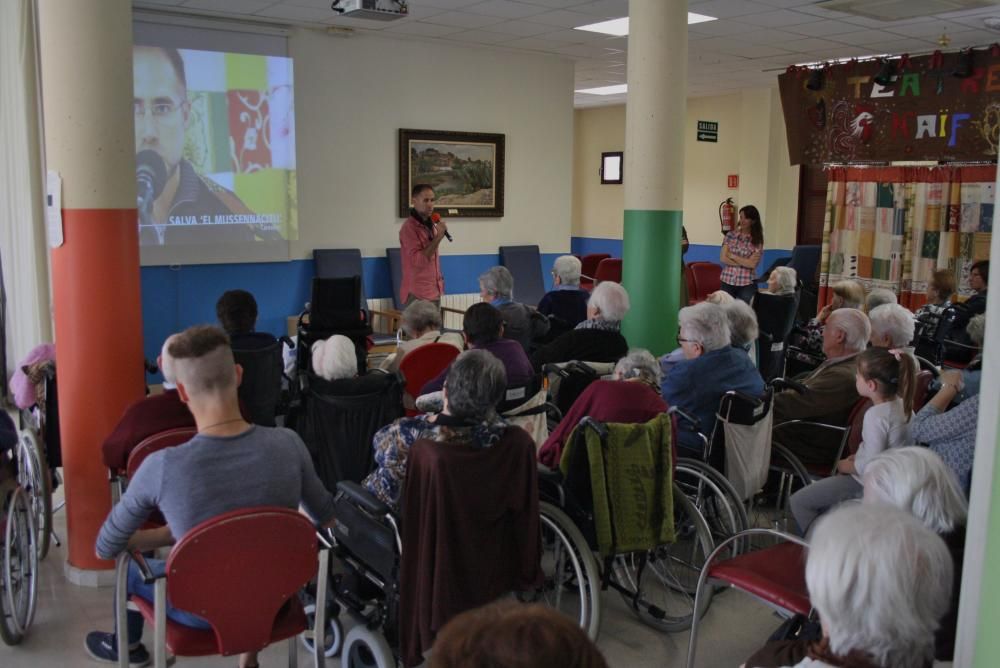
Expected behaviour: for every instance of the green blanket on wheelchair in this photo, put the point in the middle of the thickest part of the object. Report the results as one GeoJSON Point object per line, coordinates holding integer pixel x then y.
{"type": "Point", "coordinates": [631, 482]}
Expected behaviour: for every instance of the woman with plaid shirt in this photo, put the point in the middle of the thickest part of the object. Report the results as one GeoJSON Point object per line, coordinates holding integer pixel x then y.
{"type": "Point", "coordinates": [741, 251]}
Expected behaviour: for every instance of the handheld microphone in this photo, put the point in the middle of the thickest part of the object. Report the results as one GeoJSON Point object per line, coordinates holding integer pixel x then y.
{"type": "Point", "coordinates": [436, 218]}
{"type": "Point", "coordinates": [150, 178]}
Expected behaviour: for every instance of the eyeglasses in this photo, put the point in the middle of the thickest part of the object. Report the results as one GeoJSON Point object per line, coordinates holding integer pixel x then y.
{"type": "Point", "coordinates": [680, 340]}
{"type": "Point", "coordinates": [159, 109]}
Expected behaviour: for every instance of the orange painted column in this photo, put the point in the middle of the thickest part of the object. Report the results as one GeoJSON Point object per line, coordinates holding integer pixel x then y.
{"type": "Point", "coordinates": [86, 66]}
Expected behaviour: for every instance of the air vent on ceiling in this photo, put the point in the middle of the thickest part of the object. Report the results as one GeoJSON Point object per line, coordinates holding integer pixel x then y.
{"type": "Point", "coordinates": [897, 10]}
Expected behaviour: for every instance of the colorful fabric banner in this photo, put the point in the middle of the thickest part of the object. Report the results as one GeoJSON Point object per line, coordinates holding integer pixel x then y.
{"type": "Point", "coordinates": [926, 112]}
{"type": "Point", "coordinates": [892, 227]}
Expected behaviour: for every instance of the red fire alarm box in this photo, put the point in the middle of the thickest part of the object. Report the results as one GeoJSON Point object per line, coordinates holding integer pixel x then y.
{"type": "Point", "coordinates": [733, 181]}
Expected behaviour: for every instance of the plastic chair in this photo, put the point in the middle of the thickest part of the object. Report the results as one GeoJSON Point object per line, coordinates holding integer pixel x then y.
{"type": "Point", "coordinates": [422, 364]}
{"type": "Point", "coordinates": [588, 268]}
{"type": "Point", "coordinates": [240, 571]}
{"type": "Point", "coordinates": [525, 265]}
{"type": "Point", "coordinates": [706, 278]}
{"type": "Point", "coordinates": [155, 443]}
{"type": "Point", "coordinates": [775, 576]}
{"type": "Point", "coordinates": [610, 269]}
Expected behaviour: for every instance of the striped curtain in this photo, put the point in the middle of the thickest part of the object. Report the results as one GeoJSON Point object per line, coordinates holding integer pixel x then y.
{"type": "Point", "coordinates": [892, 227]}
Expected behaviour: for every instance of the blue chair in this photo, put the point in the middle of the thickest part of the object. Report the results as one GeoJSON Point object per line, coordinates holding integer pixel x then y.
{"type": "Point", "coordinates": [525, 265]}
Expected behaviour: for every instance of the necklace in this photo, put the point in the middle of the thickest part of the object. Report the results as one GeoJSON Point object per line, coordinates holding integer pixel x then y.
{"type": "Point", "coordinates": [219, 424]}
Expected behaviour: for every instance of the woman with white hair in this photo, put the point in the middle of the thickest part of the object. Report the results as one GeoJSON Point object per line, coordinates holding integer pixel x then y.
{"type": "Point", "coordinates": [633, 396]}
{"type": "Point", "coordinates": [877, 297]}
{"type": "Point", "coordinates": [863, 562]}
{"type": "Point", "coordinates": [522, 323]}
{"type": "Point", "coordinates": [335, 358]}
{"type": "Point", "coordinates": [782, 281]}
{"type": "Point", "coordinates": [596, 339]}
{"type": "Point", "coordinates": [566, 303]}
{"type": "Point", "coordinates": [711, 368]}
{"type": "Point", "coordinates": [743, 330]}
{"type": "Point", "coordinates": [421, 323]}
{"type": "Point", "coordinates": [892, 326]}
{"type": "Point", "coordinates": [915, 480]}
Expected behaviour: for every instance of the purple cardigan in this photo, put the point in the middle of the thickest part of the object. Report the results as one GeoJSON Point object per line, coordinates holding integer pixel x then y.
{"type": "Point", "coordinates": [508, 351]}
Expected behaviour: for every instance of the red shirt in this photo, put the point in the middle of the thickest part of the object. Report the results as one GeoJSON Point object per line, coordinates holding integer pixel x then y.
{"type": "Point", "coordinates": [422, 277]}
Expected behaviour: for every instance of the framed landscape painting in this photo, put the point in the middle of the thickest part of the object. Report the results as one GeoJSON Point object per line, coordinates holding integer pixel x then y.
{"type": "Point", "coordinates": [466, 170]}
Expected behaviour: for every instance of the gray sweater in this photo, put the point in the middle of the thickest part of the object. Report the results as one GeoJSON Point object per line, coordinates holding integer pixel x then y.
{"type": "Point", "coordinates": [210, 475]}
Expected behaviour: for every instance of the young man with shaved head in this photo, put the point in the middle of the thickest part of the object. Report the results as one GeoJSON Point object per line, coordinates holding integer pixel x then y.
{"type": "Point", "coordinates": [230, 464]}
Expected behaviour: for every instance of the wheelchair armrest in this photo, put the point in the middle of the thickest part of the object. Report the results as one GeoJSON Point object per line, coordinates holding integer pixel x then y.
{"type": "Point", "coordinates": [555, 368]}
{"type": "Point", "coordinates": [694, 424]}
{"type": "Point", "coordinates": [789, 384]}
{"type": "Point", "coordinates": [549, 475]}
{"type": "Point", "coordinates": [598, 427]}
{"type": "Point", "coordinates": [287, 340]}
{"type": "Point", "coordinates": [140, 560]}
{"type": "Point", "coordinates": [362, 498]}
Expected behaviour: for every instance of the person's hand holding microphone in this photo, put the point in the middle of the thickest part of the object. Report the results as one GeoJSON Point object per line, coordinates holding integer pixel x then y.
{"type": "Point", "coordinates": [441, 227]}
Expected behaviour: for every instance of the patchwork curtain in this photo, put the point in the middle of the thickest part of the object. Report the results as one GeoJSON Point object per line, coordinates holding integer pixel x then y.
{"type": "Point", "coordinates": [892, 227]}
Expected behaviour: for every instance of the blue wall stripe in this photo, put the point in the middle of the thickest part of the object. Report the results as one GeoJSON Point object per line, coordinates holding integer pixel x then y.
{"type": "Point", "coordinates": [175, 297]}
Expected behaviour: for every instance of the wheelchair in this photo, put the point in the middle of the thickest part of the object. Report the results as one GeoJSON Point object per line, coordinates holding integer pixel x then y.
{"type": "Point", "coordinates": [37, 454]}
{"type": "Point", "coordinates": [566, 381]}
{"type": "Point", "coordinates": [657, 584]}
{"type": "Point", "coordinates": [19, 555]}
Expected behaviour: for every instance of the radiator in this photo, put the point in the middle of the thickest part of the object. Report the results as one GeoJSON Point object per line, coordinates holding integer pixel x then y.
{"type": "Point", "coordinates": [383, 325]}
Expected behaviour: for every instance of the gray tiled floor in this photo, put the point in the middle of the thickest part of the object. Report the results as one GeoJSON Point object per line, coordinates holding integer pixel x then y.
{"type": "Point", "coordinates": [734, 626]}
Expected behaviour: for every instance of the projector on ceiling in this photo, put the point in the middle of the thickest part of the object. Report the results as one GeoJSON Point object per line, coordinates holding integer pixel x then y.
{"type": "Point", "coordinates": [375, 10]}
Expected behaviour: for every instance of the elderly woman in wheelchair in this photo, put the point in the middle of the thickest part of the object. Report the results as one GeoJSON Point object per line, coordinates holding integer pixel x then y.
{"type": "Point", "coordinates": [470, 496]}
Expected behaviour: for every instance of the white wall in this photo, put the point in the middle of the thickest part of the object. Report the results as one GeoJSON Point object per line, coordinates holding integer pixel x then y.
{"type": "Point", "coordinates": [751, 144]}
{"type": "Point", "coordinates": [354, 93]}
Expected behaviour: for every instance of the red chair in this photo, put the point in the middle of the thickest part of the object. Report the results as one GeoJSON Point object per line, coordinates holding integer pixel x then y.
{"type": "Point", "coordinates": [421, 365]}
{"type": "Point", "coordinates": [776, 576]}
{"type": "Point", "coordinates": [588, 268]}
{"type": "Point", "coordinates": [146, 447]}
{"type": "Point", "coordinates": [240, 572]}
{"type": "Point", "coordinates": [704, 278]}
{"type": "Point", "coordinates": [610, 269]}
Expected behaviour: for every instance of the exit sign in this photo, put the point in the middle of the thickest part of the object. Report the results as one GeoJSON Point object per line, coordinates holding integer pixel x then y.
{"type": "Point", "coordinates": [708, 131]}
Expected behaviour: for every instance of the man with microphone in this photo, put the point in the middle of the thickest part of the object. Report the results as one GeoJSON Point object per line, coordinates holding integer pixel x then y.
{"type": "Point", "coordinates": [419, 238]}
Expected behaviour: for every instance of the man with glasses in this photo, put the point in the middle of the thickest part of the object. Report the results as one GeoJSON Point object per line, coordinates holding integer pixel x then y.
{"type": "Point", "coordinates": [162, 114]}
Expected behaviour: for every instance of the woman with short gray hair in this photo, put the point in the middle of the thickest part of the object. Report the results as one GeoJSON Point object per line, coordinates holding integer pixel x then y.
{"type": "Point", "coordinates": [632, 396]}
{"type": "Point", "coordinates": [596, 339]}
{"type": "Point", "coordinates": [566, 304]}
{"type": "Point", "coordinates": [712, 367]}
{"type": "Point", "coordinates": [475, 385]}
{"type": "Point", "coordinates": [782, 281]}
{"type": "Point", "coordinates": [421, 321]}
{"type": "Point", "coordinates": [522, 323]}
{"type": "Point", "coordinates": [879, 296]}
{"type": "Point", "coordinates": [743, 330]}
{"type": "Point", "coordinates": [892, 326]}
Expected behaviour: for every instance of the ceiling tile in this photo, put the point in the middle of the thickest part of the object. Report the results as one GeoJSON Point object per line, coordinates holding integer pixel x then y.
{"type": "Point", "coordinates": [297, 13]}
{"type": "Point", "coordinates": [822, 28]}
{"type": "Point", "coordinates": [769, 36]}
{"type": "Point", "coordinates": [504, 9]}
{"type": "Point", "coordinates": [563, 18]}
{"type": "Point", "coordinates": [479, 37]}
{"type": "Point", "coordinates": [315, 4]}
{"type": "Point", "coordinates": [969, 38]}
{"type": "Point", "coordinates": [520, 28]}
{"type": "Point", "coordinates": [724, 9]}
{"type": "Point", "coordinates": [810, 44]}
{"type": "Point", "coordinates": [720, 28]}
{"type": "Point", "coordinates": [779, 18]}
{"type": "Point", "coordinates": [755, 51]}
{"type": "Point", "coordinates": [449, 4]}
{"type": "Point", "coordinates": [574, 36]}
{"type": "Point", "coordinates": [421, 29]}
{"type": "Point", "coordinates": [555, 4]}
{"type": "Point", "coordinates": [229, 7]}
{"type": "Point", "coordinates": [463, 19]}
{"type": "Point", "coordinates": [862, 37]}
{"type": "Point", "coordinates": [926, 29]}
{"type": "Point", "coordinates": [606, 8]}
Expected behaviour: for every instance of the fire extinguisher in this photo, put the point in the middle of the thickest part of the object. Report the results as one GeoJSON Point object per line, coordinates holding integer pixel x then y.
{"type": "Point", "coordinates": [727, 215]}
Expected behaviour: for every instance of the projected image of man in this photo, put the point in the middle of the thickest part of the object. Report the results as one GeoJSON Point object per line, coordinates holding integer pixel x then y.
{"type": "Point", "coordinates": [162, 114]}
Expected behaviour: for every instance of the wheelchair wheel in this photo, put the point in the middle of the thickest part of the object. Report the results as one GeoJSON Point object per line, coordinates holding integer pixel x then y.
{"type": "Point", "coordinates": [715, 498]}
{"type": "Point", "coordinates": [34, 477]}
{"type": "Point", "coordinates": [572, 582]}
{"type": "Point", "coordinates": [660, 585]}
{"type": "Point", "coordinates": [771, 509]}
{"type": "Point", "coordinates": [333, 641]}
{"type": "Point", "coordinates": [365, 648]}
{"type": "Point", "coordinates": [18, 568]}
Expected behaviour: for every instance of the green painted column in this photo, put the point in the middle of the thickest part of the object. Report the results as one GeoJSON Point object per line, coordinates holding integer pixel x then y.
{"type": "Point", "coordinates": [654, 177]}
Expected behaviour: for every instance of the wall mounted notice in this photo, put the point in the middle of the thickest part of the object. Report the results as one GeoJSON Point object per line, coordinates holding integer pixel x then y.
{"type": "Point", "coordinates": [708, 131]}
